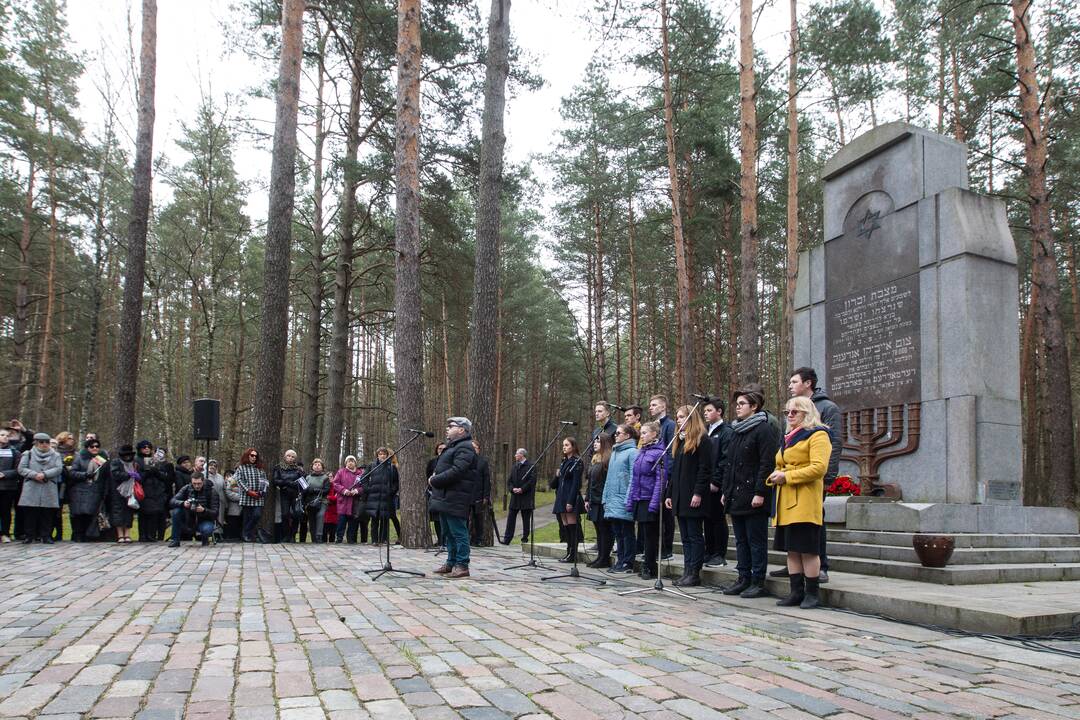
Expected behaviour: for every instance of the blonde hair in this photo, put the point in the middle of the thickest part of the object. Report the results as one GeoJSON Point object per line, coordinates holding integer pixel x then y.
{"type": "Point", "coordinates": [810, 418]}
{"type": "Point", "coordinates": [694, 430]}
{"type": "Point", "coordinates": [65, 438]}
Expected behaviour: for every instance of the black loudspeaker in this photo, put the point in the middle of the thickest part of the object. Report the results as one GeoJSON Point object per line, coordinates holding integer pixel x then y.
{"type": "Point", "coordinates": [207, 414]}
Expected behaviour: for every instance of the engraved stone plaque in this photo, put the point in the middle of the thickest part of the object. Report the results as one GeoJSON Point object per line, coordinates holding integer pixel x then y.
{"type": "Point", "coordinates": [873, 345]}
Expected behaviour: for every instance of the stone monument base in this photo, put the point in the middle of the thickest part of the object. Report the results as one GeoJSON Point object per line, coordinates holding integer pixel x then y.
{"type": "Point", "coordinates": [959, 518]}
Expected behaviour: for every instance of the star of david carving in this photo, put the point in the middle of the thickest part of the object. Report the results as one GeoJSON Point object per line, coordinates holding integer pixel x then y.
{"type": "Point", "coordinates": [869, 223]}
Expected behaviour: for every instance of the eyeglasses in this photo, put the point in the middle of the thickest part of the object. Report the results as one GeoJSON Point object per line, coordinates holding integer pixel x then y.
{"type": "Point", "coordinates": [743, 403]}
{"type": "Point", "coordinates": [92, 447]}
{"type": "Point", "coordinates": [793, 413]}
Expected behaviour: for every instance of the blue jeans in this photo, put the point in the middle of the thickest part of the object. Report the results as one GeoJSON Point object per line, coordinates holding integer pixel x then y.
{"type": "Point", "coordinates": [627, 542]}
{"type": "Point", "coordinates": [691, 529]}
{"type": "Point", "coordinates": [182, 520]}
{"type": "Point", "coordinates": [456, 532]}
{"type": "Point", "coordinates": [751, 544]}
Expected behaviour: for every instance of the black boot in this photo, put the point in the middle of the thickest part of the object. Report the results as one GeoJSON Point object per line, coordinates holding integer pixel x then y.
{"type": "Point", "coordinates": [756, 589]}
{"type": "Point", "coordinates": [797, 591]}
{"type": "Point", "coordinates": [566, 557]}
{"type": "Point", "coordinates": [691, 579]}
{"type": "Point", "coordinates": [738, 587]}
{"type": "Point", "coordinates": [811, 600]}
{"type": "Point", "coordinates": [682, 579]}
{"type": "Point", "coordinates": [782, 572]}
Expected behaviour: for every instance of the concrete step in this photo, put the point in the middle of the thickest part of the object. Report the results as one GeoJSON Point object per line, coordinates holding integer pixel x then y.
{"type": "Point", "coordinates": [1028, 608]}
{"type": "Point", "coordinates": [963, 540]}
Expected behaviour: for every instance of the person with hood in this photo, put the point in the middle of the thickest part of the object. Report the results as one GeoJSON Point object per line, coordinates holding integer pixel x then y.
{"type": "Point", "coordinates": [157, 488]}
{"type": "Point", "coordinates": [348, 485]}
{"type": "Point", "coordinates": [380, 487]}
{"type": "Point", "coordinates": [801, 464]}
{"type": "Point", "coordinates": [692, 470]}
{"type": "Point", "coordinates": [454, 486]}
{"type": "Point", "coordinates": [194, 509]}
{"type": "Point", "coordinates": [288, 479]}
{"type": "Point", "coordinates": [747, 497]}
{"type": "Point", "coordinates": [251, 479]}
{"type": "Point", "coordinates": [647, 486]}
{"type": "Point", "coordinates": [616, 489]}
{"type": "Point", "coordinates": [124, 472]}
{"type": "Point", "coordinates": [314, 498]}
{"type": "Point", "coordinates": [41, 470]}
{"type": "Point", "coordinates": [9, 480]}
{"type": "Point", "coordinates": [86, 489]}
{"type": "Point", "coordinates": [803, 383]}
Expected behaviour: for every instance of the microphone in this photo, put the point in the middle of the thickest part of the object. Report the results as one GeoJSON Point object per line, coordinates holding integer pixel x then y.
{"type": "Point", "coordinates": [702, 398]}
{"type": "Point", "coordinates": [567, 422]}
{"type": "Point", "coordinates": [421, 432]}
{"type": "Point", "coordinates": [618, 407]}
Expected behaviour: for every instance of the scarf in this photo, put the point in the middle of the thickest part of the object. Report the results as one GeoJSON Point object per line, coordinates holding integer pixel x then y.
{"type": "Point", "coordinates": [41, 456]}
{"type": "Point", "coordinates": [745, 426]}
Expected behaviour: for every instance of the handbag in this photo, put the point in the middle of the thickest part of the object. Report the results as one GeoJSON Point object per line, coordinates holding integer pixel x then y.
{"type": "Point", "coordinates": [297, 509]}
{"type": "Point", "coordinates": [103, 521]}
{"type": "Point", "coordinates": [137, 491]}
{"type": "Point", "coordinates": [133, 503]}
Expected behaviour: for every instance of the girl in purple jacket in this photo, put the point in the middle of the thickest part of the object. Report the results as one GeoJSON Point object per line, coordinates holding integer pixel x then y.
{"type": "Point", "coordinates": [646, 490]}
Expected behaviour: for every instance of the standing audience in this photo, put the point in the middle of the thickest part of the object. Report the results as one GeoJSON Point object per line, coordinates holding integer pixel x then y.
{"type": "Point", "coordinates": [41, 470]}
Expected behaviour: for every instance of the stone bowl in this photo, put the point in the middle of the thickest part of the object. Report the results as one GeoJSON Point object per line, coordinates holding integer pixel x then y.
{"type": "Point", "coordinates": [934, 550]}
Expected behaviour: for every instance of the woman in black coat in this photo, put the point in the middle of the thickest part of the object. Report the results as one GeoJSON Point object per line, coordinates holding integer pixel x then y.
{"type": "Point", "coordinates": [568, 502]}
{"type": "Point", "coordinates": [123, 472]}
{"type": "Point", "coordinates": [594, 500]}
{"type": "Point", "coordinates": [751, 459]}
{"type": "Point", "coordinates": [86, 488]}
{"type": "Point", "coordinates": [286, 479]}
{"type": "Point", "coordinates": [688, 490]}
{"type": "Point", "coordinates": [380, 488]}
{"type": "Point", "coordinates": [157, 477]}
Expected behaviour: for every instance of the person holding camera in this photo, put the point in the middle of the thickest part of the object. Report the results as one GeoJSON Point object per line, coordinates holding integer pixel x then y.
{"type": "Point", "coordinates": [194, 508]}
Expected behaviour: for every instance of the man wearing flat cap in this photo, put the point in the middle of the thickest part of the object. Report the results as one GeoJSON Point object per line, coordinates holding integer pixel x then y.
{"type": "Point", "coordinates": [454, 485]}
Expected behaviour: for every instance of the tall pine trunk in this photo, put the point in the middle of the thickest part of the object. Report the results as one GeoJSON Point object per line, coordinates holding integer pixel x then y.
{"type": "Point", "coordinates": [130, 339]}
{"type": "Point", "coordinates": [748, 275]}
{"type": "Point", "coordinates": [1056, 432]}
{"type": "Point", "coordinates": [408, 331]}
{"type": "Point", "coordinates": [274, 298]}
{"type": "Point", "coordinates": [339, 334]}
{"type": "Point", "coordinates": [792, 266]}
{"type": "Point", "coordinates": [483, 353]}
{"type": "Point", "coordinates": [686, 369]}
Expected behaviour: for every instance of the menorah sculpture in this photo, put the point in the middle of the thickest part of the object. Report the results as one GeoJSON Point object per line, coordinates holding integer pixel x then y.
{"type": "Point", "coordinates": [872, 436]}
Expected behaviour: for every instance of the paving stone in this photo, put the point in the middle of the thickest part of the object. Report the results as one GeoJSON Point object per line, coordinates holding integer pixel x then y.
{"type": "Point", "coordinates": [813, 705]}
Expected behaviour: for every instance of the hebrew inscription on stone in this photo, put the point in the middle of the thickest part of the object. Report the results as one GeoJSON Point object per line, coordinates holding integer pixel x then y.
{"type": "Point", "coordinates": [873, 347]}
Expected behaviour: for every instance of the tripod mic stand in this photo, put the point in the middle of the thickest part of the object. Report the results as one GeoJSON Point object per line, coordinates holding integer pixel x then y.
{"type": "Point", "coordinates": [533, 562]}
{"type": "Point", "coordinates": [659, 584]}
{"type": "Point", "coordinates": [387, 567]}
{"type": "Point", "coordinates": [573, 573]}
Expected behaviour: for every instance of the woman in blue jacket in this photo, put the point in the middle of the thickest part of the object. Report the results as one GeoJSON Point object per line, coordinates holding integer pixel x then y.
{"type": "Point", "coordinates": [616, 487]}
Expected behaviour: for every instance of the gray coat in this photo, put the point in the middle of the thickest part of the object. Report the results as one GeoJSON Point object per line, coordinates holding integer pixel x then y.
{"type": "Point", "coordinates": [41, 494]}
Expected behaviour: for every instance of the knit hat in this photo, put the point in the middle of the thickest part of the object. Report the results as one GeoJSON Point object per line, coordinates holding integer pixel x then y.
{"type": "Point", "coordinates": [143, 444]}
{"type": "Point", "coordinates": [462, 422]}
{"type": "Point", "coordinates": [350, 457]}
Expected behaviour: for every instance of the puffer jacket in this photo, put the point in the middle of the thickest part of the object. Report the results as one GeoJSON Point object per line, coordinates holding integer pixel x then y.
{"type": "Point", "coordinates": [649, 479]}
{"type": "Point", "coordinates": [455, 484]}
{"type": "Point", "coordinates": [617, 484]}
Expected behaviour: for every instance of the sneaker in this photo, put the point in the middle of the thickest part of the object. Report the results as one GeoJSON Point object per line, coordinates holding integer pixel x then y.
{"type": "Point", "coordinates": [668, 556]}
{"type": "Point", "coordinates": [460, 571]}
{"type": "Point", "coordinates": [4, 539]}
{"type": "Point", "coordinates": [444, 569]}
{"type": "Point", "coordinates": [716, 561]}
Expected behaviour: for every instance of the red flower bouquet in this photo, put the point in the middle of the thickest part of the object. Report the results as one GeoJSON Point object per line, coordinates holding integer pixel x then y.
{"type": "Point", "coordinates": [843, 485]}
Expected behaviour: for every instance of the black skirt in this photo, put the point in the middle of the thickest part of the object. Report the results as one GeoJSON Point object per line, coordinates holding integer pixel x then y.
{"type": "Point", "coordinates": [801, 537]}
{"type": "Point", "coordinates": [641, 512]}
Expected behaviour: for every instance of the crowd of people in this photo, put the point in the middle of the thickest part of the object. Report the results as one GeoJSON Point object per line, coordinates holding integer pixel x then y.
{"type": "Point", "coordinates": [635, 481]}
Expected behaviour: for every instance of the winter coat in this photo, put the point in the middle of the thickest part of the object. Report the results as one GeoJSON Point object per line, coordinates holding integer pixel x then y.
{"type": "Point", "coordinates": [455, 483]}
{"type": "Point", "coordinates": [232, 498]}
{"type": "Point", "coordinates": [346, 479]}
{"type": "Point", "coordinates": [86, 484]}
{"type": "Point", "coordinates": [594, 490]}
{"type": "Point", "coordinates": [330, 517]}
{"type": "Point", "coordinates": [180, 478]}
{"type": "Point", "coordinates": [41, 494]}
{"type": "Point", "coordinates": [381, 483]}
{"type": "Point", "coordinates": [286, 479]}
{"type": "Point", "coordinates": [9, 468]}
{"type": "Point", "coordinates": [157, 482]}
{"type": "Point", "coordinates": [750, 460]}
{"type": "Point", "coordinates": [120, 515]}
{"type": "Point", "coordinates": [522, 476]}
{"type": "Point", "coordinates": [619, 476]}
{"type": "Point", "coordinates": [649, 478]}
{"type": "Point", "coordinates": [720, 437]}
{"type": "Point", "coordinates": [318, 485]}
{"type": "Point", "coordinates": [483, 475]}
{"type": "Point", "coordinates": [691, 474]}
{"type": "Point", "coordinates": [67, 457]}
{"type": "Point", "coordinates": [217, 482]}
{"type": "Point", "coordinates": [804, 460]}
{"type": "Point", "coordinates": [667, 432]}
{"type": "Point", "coordinates": [204, 496]}
{"type": "Point", "coordinates": [569, 489]}
{"type": "Point", "coordinates": [830, 416]}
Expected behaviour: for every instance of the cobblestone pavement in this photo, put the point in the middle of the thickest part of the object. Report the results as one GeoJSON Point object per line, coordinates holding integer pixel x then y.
{"type": "Point", "coordinates": [300, 632]}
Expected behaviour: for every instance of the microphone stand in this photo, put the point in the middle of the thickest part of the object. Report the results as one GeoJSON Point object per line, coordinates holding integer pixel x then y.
{"type": "Point", "coordinates": [659, 584]}
{"type": "Point", "coordinates": [387, 567]}
{"type": "Point", "coordinates": [533, 562]}
{"type": "Point", "coordinates": [574, 574]}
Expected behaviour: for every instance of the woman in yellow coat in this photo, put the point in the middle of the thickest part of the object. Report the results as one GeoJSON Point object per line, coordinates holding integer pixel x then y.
{"type": "Point", "coordinates": [799, 478]}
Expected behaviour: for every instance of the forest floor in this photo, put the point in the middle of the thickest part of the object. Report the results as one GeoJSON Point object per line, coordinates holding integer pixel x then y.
{"type": "Point", "coordinates": [300, 631]}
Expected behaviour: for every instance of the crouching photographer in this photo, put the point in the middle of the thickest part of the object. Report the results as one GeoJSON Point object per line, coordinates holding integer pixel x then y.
{"type": "Point", "coordinates": [194, 509]}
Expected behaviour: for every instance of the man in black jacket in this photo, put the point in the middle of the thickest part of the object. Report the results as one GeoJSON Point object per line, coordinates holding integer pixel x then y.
{"type": "Point", "coordinates": [9, 482]}
{"type": "Point", "coordinates": [716, 528]}
{"type": "Point", "coordinates": [195, 506]}
{"type": "Point", "coordinates": [522, 486]}
{"type": "Point", "coordinates": [454, 486]}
